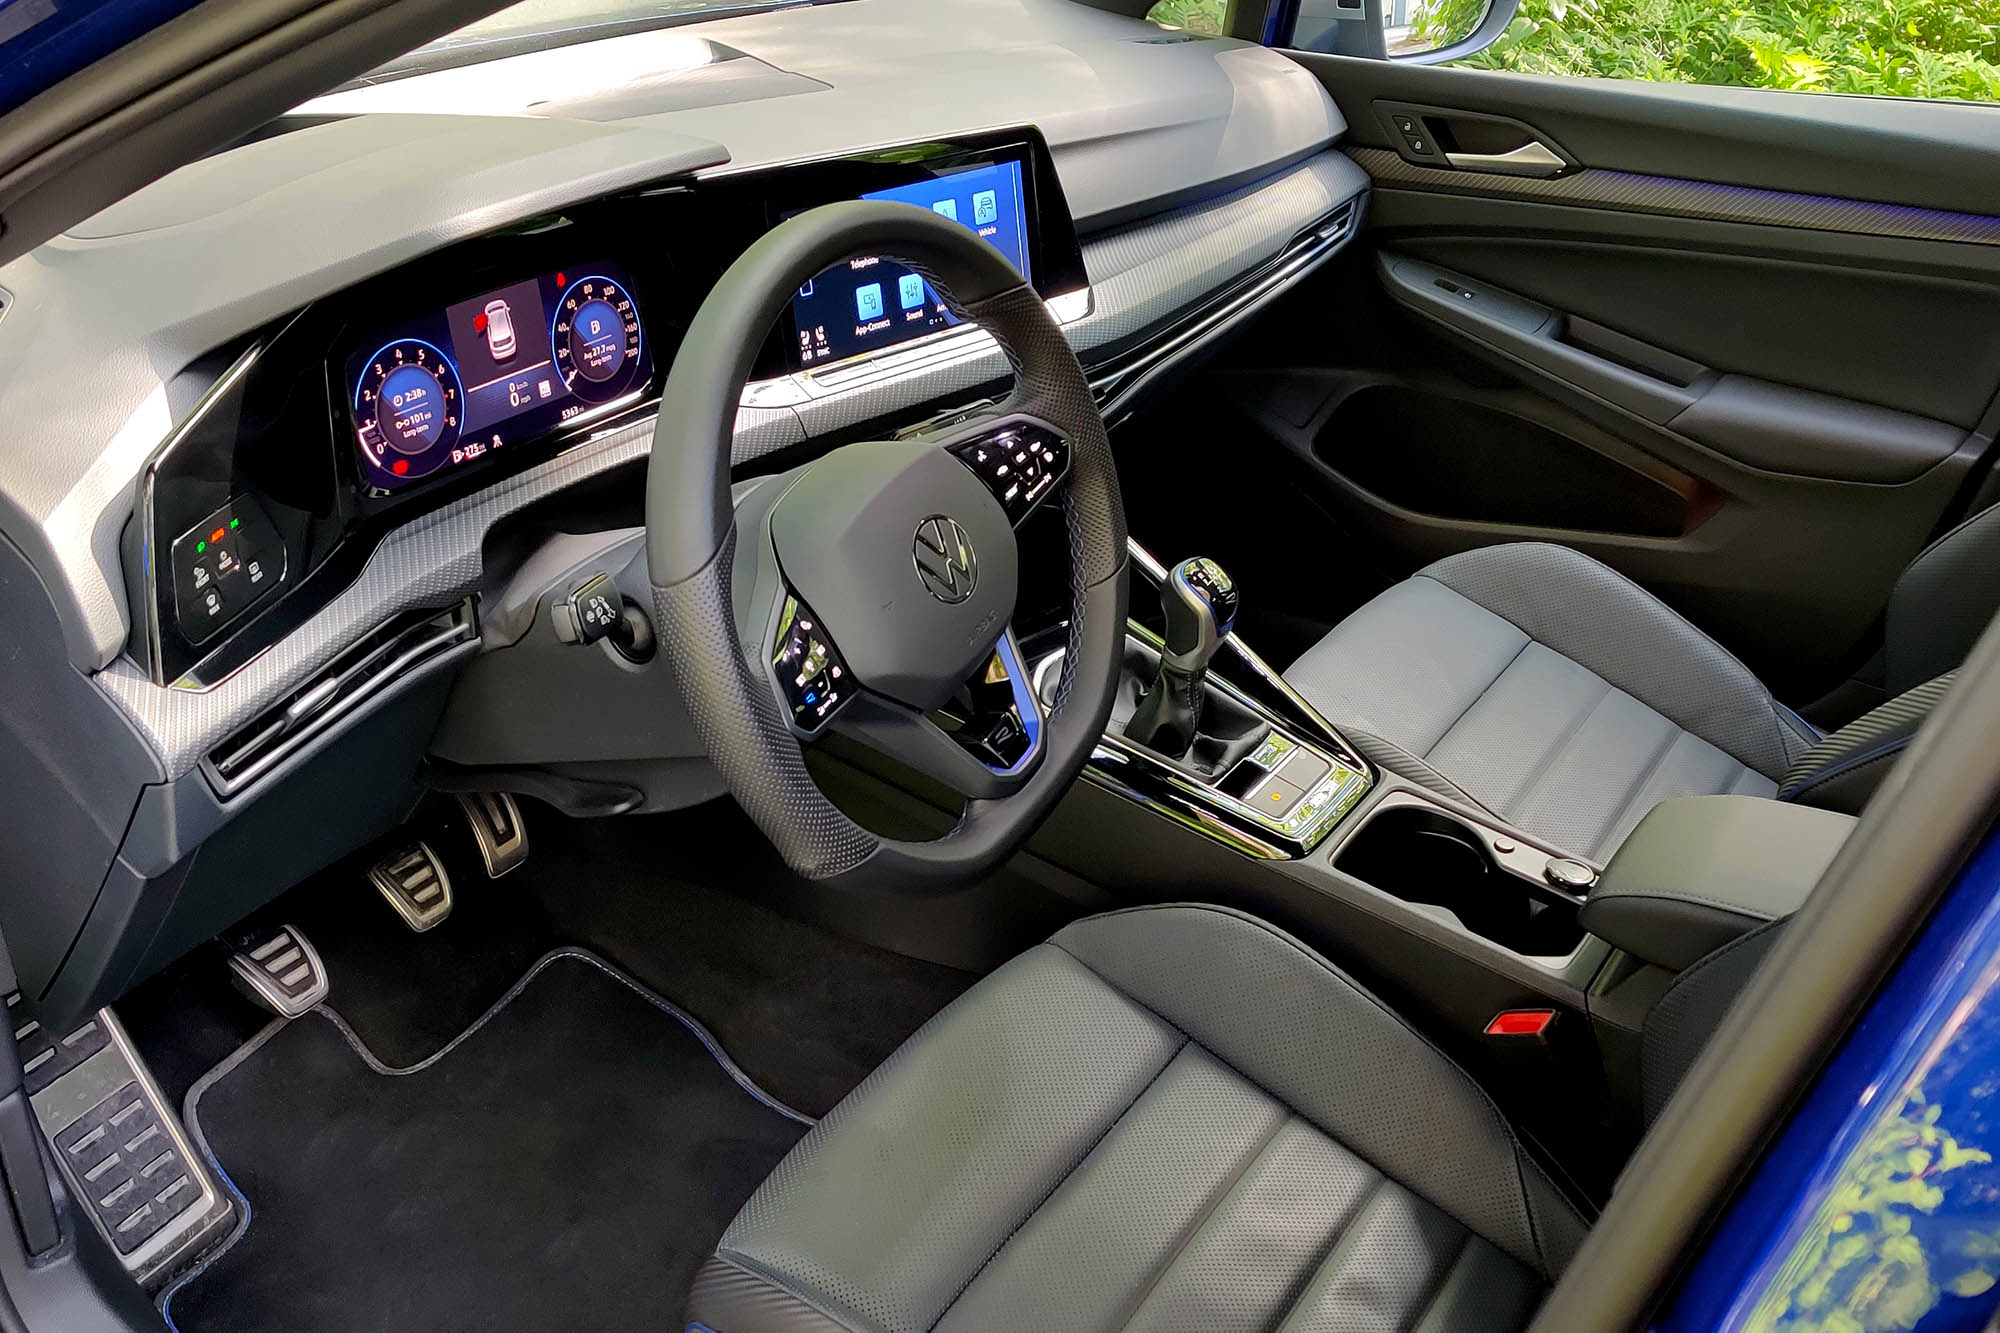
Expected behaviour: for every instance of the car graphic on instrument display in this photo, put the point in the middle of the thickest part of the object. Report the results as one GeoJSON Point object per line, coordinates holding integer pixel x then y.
{"type": "Point", "coordinates": [500, 330]}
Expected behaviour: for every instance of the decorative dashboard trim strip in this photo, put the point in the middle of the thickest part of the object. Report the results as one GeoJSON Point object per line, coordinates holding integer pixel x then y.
{"type": "Point", "coordinates": [1167, 273]}
{"type": "Point", "coordinates": [1670, 196]}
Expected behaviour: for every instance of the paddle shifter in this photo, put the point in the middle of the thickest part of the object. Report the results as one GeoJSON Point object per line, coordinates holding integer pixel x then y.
{"type": "Point", "coordinates": [1200, 602]}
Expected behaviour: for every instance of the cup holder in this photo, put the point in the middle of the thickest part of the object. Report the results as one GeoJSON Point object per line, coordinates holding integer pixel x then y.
{"type": "Point", "coordinates": [1426, 856]}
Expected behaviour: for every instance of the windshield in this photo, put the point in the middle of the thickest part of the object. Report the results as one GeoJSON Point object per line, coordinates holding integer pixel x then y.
{"type": "Point", "coordinates": [43, 42]}
{"type": "Point", "coordinates": [535, 25]}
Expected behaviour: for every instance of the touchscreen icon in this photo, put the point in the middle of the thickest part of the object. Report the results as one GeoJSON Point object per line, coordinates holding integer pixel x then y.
{"type": "Point", "coordinates": [985, 207]}
{"type": "Point", "coordinates": [499, 330]}
{"type": "Point", "coordinates": [947, 208]}
{"type": "Point", "coordinates": [911, 290]}
{"type": "Point", "coordinates": [868, 302]}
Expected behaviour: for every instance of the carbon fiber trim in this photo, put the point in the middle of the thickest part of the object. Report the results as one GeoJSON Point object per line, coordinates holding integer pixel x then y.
{"type": "Point", "coordinates": [1140, 276]}
{"type": "Point", "coordinates": [1670, 196]}
{"type": "Point", "coordinates": [1880, 734]}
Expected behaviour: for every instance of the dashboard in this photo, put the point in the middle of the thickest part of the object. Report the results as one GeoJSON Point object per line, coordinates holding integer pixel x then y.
{"type": "Point", "coordinates": [239, 632]}
{"type": "Point", "coordinates": [373, 407]}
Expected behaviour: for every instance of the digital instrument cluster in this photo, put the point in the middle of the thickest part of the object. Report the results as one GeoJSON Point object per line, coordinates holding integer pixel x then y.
{"type": "Point", "coordinates": [498, 370]}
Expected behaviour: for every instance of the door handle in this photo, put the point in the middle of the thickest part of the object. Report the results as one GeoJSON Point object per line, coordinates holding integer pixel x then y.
{"type": "Point", "coordinates": [1532, 158]}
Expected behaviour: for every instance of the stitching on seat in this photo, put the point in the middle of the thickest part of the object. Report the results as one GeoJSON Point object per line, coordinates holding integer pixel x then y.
{"type": "Point", "coordinates": [1364, 739]}
{"type": "Point", "coordinates": [1526, 640]}
{"type": "Point", "coordinates": [1700, 636]}
{"type": "Point", "coordinates": [1343, 1240]}
{"type": "Point", "coordinates": [1527, 798]}
{"type": "Point", "coordinates": [1464, 1249]}
{"type": "Point", "coordinates": [1221, 1197]}
{"type": "Point", "coordinates": [1674, 733]}
{"type": "Point", "coordinates": [1342, 978]}
{"type": "Point", "coordinates": [1113, 1123]}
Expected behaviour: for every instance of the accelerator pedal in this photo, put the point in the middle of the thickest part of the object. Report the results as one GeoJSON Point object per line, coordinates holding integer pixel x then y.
{"type": "Point", "coordinates": [279, 970]}
{"type": "Point", "coordinates": [415, 884]}
{"type": "Point", "coordinates": [497, 828]}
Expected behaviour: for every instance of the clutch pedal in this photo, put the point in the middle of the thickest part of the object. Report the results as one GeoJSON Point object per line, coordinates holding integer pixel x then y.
{"type": "Point", "coordinates": [416, 885]}
{"type": "Point", "coordinates": [497, 828]}
{"type": "Point", "coordinates": [280, 970]}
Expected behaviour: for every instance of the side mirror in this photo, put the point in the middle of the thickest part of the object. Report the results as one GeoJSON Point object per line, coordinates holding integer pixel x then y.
{"type": "Point", "coordinates": [1424, 32]}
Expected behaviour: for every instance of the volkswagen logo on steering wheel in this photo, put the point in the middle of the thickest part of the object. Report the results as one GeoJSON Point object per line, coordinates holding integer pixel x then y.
{"type": "Point", "coordinates": [944, 558]}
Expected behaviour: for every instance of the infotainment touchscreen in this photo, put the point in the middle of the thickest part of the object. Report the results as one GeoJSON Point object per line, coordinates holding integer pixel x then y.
{"type": "Point", "coordinates": [870, 303]}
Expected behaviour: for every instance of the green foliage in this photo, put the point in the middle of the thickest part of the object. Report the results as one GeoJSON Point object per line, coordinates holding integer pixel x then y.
{"type": "Point", "coordinates": [1860, 1268]}
{"type": "Point", "coordinates": [1195, 15]}
{"type": "Point", "coordinates": [1898, 48]}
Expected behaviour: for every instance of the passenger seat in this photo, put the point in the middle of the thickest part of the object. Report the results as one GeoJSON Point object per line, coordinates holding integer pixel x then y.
{"type": "Point", "coordinates": [1557, 694]}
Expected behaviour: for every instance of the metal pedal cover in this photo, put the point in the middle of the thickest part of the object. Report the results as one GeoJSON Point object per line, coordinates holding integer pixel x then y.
{"type": "Point", "coordinates": [123, 1152]}
{"type": "Point", "coordinates": [281, 971]}
{"type": "Point", "coordinates": [497, 828]}
{"type": "Point", "coordinates": [415, 884]}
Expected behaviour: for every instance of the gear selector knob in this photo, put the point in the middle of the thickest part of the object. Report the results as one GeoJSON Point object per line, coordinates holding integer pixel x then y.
{"type": "Point", "coordinates": [1200, 603]}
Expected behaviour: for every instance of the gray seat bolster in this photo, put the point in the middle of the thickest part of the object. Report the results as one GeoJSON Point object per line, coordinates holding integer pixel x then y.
{"type": "Point", "coordinates": [1293, 1024]}
{"type": "Point", "coordinates": [1607, 624]}
{"type": "Point", "coordinates": [727, 1296]}
{"type": "Point", "coordinates": [1387, 754]}
{"type": "Point", "coordinates": [1943, 602]}
{"type": "Point", "coordinates": [1843, 771]}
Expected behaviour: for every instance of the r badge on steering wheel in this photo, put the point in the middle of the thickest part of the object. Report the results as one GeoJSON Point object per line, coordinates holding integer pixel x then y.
{"type": "Point", "coordinates": [944, 559]}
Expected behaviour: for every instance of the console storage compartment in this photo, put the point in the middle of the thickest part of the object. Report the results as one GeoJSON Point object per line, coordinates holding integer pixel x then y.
{"type": "Point", "coordinates": [1425, 855]}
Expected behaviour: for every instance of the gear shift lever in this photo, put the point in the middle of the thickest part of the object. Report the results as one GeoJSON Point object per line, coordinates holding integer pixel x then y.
{"type": "Point", "coordinates": [1200, 601]}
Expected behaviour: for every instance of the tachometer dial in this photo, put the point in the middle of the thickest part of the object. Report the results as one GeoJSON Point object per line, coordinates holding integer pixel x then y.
{"type": "Point", "coordinates": [406, 409]}
{"type": "Point", "coordinates": [595, 338]}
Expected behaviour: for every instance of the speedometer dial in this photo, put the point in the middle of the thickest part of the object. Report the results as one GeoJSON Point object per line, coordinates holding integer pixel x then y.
{"type": "Point", "coordinates": [406, 409]}
{"type": "Point", "coordinates": [595, 339]}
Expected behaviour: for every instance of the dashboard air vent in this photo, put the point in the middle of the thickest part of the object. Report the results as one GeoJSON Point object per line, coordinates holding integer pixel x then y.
{"type": "Point", "coordinates": [400, 647]}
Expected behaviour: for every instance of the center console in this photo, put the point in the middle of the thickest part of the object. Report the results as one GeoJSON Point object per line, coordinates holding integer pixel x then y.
{"type": "Point", "coordinates": [1201, 751]}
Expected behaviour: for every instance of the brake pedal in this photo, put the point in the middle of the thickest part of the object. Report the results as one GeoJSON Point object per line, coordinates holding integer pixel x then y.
{"type": "Point", "coordinates": [415, 884]}
{"type": "Point", "coordinates": [281, 971]}
{"type": "Point", "coordinates": [497, 828]}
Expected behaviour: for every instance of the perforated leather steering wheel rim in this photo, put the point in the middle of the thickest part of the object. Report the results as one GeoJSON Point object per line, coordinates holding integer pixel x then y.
{"type": "Point", "coordinates": [692, 543]}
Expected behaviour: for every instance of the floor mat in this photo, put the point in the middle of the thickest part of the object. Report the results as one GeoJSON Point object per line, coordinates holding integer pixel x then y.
{"type": "Point", "coordinates": [807, 1012]}
{"type": "Point", "coordinates": [567, 1163]}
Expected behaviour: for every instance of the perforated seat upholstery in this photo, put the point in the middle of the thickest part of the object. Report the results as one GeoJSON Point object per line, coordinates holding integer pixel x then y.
{"type": "Point", "coordinates": [1173, 1117]}
{"type": "Point", "coordinates": [1553, 691]}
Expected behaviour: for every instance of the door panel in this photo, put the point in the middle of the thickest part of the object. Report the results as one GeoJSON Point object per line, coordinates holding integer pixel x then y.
{"type": "Point", "coordinates": [1760, 404]}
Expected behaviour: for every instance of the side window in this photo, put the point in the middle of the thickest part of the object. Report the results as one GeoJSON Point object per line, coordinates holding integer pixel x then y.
{"type": "Point", "coordinates": [1893, 48]}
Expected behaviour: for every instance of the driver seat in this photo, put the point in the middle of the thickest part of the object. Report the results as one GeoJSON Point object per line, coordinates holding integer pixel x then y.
{"type": "Point", "coordinates": [1163, 1117]}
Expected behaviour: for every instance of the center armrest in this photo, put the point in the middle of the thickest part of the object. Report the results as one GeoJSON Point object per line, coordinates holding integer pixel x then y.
{"type": "Point", "coordinates": [1699, 871]}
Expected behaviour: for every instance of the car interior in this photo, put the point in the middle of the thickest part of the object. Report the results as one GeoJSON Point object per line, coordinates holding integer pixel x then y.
{"type": "Point", "coordinates": [904, 665]}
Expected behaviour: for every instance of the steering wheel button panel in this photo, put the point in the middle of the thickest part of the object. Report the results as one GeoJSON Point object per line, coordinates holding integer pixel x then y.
{"type": "Point", "coordinates": [1020, 465]}
{"type": "Point", "coordinates": [810, 673]}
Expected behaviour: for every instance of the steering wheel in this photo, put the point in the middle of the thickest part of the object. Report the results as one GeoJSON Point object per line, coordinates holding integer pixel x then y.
{"type": "Point", "coordinates": [872, 592]}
